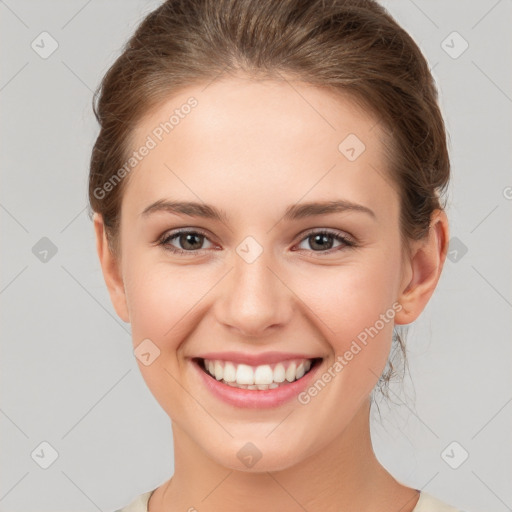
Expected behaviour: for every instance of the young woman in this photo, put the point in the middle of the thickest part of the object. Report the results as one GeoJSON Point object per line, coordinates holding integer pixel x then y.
{"type": "Point", "coordinates": [266, 189]}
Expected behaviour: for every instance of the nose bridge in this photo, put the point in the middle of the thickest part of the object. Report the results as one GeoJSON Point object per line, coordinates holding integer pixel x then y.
{"type": "Point", "coordinates": [255, 298]}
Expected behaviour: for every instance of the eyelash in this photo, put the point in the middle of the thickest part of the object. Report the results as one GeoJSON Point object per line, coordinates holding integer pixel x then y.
{"type": "Point", "coordinates": [164, 241]}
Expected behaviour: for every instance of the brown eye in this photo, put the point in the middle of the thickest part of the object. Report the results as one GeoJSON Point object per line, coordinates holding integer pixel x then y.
{"type": "Point", "coordinates": [323, 241]}
{"type": "Point", "coordinates": [190, 241]}
{"type": "Point", "coordinates": [186, 241]}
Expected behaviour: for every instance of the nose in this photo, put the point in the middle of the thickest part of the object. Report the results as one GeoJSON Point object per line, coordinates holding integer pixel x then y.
{"type": "Point", "coordinates": [255, 300]}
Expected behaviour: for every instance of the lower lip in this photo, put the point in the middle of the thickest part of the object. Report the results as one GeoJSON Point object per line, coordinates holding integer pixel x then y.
{"type": "Point", "coordinates": [253, 398]}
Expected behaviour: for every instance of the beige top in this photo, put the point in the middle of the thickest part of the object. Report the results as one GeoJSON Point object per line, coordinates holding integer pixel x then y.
{"type": "Point", "coordinates": [426, 503]}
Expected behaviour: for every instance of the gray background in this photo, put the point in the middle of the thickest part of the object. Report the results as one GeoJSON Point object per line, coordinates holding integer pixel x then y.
{"type": "Point", "coordinates": [68, 374]}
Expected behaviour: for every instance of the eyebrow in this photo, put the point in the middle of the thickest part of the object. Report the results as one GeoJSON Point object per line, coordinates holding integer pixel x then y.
{"type": "Point", "coordinates": [293, 212]}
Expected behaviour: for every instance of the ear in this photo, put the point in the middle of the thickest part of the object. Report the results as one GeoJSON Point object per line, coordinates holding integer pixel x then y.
{"type": "Point", "coordinates": [423, 269]}
{"type": "Point", "coordinates": [111, 270]}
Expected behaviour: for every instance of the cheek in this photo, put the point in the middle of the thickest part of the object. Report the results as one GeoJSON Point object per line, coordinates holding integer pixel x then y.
{"type": "Point", "coordinates": [353, 307]}
{"type": "Point", "coordinates": [162, 299]}
{"type": "Point", "coordinates": [163, 304]}
{"type": "Point", "coordinates": [349, 298]}
{"type": "Point", "coordinates": [156, 301]}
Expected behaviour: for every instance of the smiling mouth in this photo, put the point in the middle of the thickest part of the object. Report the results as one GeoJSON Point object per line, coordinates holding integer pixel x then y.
{"type": "Point", "coordinates": [261, 377]}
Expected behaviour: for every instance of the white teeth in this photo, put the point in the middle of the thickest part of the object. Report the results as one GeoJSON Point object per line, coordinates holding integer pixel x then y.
{"type": "Point", "coordinates": [290, 372]}
{"type": "Point", "coordinates": [244, 374]}
{"type": "Point", "coordinates": [219, 370]}
{"type": "Point", "coordinates": [300, 371]}
{"type": "Point", "coordinates": [279, 373]}
{"type": "Point", "coordinates": [260, 377]}
{"type": "Point", "coordinates": [229, 372]}
{"type": "Point", "coordinates": [263, 375]}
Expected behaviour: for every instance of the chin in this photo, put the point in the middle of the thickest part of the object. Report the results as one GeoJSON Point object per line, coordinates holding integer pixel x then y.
{"type": "Point", "coordinates": [257, 456]}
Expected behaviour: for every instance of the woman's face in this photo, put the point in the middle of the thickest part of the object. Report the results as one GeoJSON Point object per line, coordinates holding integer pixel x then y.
{"type": "Point", "coordinates": [262, 278]}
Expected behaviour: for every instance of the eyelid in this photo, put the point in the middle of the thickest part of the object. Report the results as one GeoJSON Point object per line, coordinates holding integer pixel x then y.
{"type": "Point", "coordinates": [330, 231]}
{"type": "Point", "coordinates": [173, 234]}
{"type": "Point", "coordinates": [346, 239]}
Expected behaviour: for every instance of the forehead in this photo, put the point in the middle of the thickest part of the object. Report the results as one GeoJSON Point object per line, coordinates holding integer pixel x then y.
{"type": "Point", "coordinates": [261, 138]}
{"type": "Point", "coordinates": [267, 109]}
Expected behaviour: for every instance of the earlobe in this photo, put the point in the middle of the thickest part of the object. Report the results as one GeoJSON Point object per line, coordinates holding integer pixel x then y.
{"type": "Point", "coordinates": [425, 267]}
{"type": "Point", "coordinates": [111, 270]}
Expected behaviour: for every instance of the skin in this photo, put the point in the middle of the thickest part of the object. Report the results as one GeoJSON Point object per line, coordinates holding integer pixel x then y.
{"type": "Point", "coordinates": [253, 148]}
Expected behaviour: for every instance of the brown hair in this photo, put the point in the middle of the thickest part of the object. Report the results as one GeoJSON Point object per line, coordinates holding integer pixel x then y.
{"type": "Point", "coordinates": [350, 46]}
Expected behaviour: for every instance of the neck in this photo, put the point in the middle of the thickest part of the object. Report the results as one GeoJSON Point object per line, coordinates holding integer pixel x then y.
{"type": "Point", "coordinates": [344, 476]}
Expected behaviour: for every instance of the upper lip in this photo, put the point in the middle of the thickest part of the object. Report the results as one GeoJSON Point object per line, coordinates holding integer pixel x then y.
{"type": "Point", "coordinates": [254, 359]}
